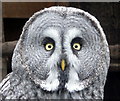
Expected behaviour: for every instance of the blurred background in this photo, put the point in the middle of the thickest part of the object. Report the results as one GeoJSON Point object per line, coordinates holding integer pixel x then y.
{"type": "Point", "coordinates": [15, 14]}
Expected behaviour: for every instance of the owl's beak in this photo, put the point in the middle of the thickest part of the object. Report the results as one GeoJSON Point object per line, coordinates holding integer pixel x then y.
{"type": "Point", "coordinates": [63, 64]}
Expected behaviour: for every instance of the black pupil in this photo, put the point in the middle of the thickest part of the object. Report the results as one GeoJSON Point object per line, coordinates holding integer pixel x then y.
{"type": "Point", "coordinates": [76, 46]}
{"type": "Point", "coordinates": [49, 46]}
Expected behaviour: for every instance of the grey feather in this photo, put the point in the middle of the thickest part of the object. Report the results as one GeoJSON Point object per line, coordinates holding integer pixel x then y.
{"type": "Point", "coordinates": [36, 73]}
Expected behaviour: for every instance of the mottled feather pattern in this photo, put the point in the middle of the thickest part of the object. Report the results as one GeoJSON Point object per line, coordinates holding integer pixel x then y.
{"type": "Point", "coordinates": [36, 72]}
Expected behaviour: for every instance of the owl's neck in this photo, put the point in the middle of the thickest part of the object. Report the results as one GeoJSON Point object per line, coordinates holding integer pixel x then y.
{"type": "Point", "coordinates": [28, 87]}
{"type": "Point", "coordinates": [88, 93]}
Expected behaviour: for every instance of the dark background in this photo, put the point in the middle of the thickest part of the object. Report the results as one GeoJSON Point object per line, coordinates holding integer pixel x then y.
{"type": "Point", "coordinates": [16, 14]}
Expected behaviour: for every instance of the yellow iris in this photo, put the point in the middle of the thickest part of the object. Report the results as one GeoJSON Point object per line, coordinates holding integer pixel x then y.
{"type": "Point", "coordinates": [49, 46]}
{"type": "Point", "coordinates": [76, 46]}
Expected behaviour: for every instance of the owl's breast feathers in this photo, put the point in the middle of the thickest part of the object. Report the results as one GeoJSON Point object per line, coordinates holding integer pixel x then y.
{"type": "Point", "coordinates": [5, 85]}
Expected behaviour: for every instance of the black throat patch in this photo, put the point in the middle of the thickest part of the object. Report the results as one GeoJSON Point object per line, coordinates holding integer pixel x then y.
{"type": "Point", "coordinates": [63, 78]}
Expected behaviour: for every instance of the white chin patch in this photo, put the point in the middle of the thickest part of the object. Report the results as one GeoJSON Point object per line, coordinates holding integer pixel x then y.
{"type": "Point", "coordinates": [51, 83]}
{"type": "Point", "coordinates": [73, 83]}
{"type": "Point", "coordinates": [50, 86]}
{"type": "Point", "coordinates": [72, 87]}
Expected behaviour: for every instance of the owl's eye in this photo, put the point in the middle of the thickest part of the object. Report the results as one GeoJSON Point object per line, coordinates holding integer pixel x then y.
{"type": "Point", "coordinates": [49, 43]}
{"type": "Point", "coordinates": [49, 46]}
{"type": "Point", "coordinates": [76, 46]}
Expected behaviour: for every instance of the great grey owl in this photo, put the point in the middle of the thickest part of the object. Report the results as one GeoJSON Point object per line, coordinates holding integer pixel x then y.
{"type": "Point", "coordinates": [62, 53]}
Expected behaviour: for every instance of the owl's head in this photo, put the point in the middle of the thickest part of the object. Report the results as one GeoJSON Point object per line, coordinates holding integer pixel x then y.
{"type": "Point", "coordinates": [63, 48]}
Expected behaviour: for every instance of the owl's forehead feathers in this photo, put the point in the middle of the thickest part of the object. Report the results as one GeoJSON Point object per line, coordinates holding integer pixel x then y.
{"type": "Point", "coordinates": [61, 12]}
{"type": "Point", "coordinates": [56, 33]}
{"type": "Point", "coordinates": [53, 33]}
{"type": "Point", "coordinates": [72, 33]}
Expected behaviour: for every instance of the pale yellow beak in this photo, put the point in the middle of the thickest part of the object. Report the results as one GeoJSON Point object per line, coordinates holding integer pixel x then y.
{"type": "Point", "coordinates": [63, 64]}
